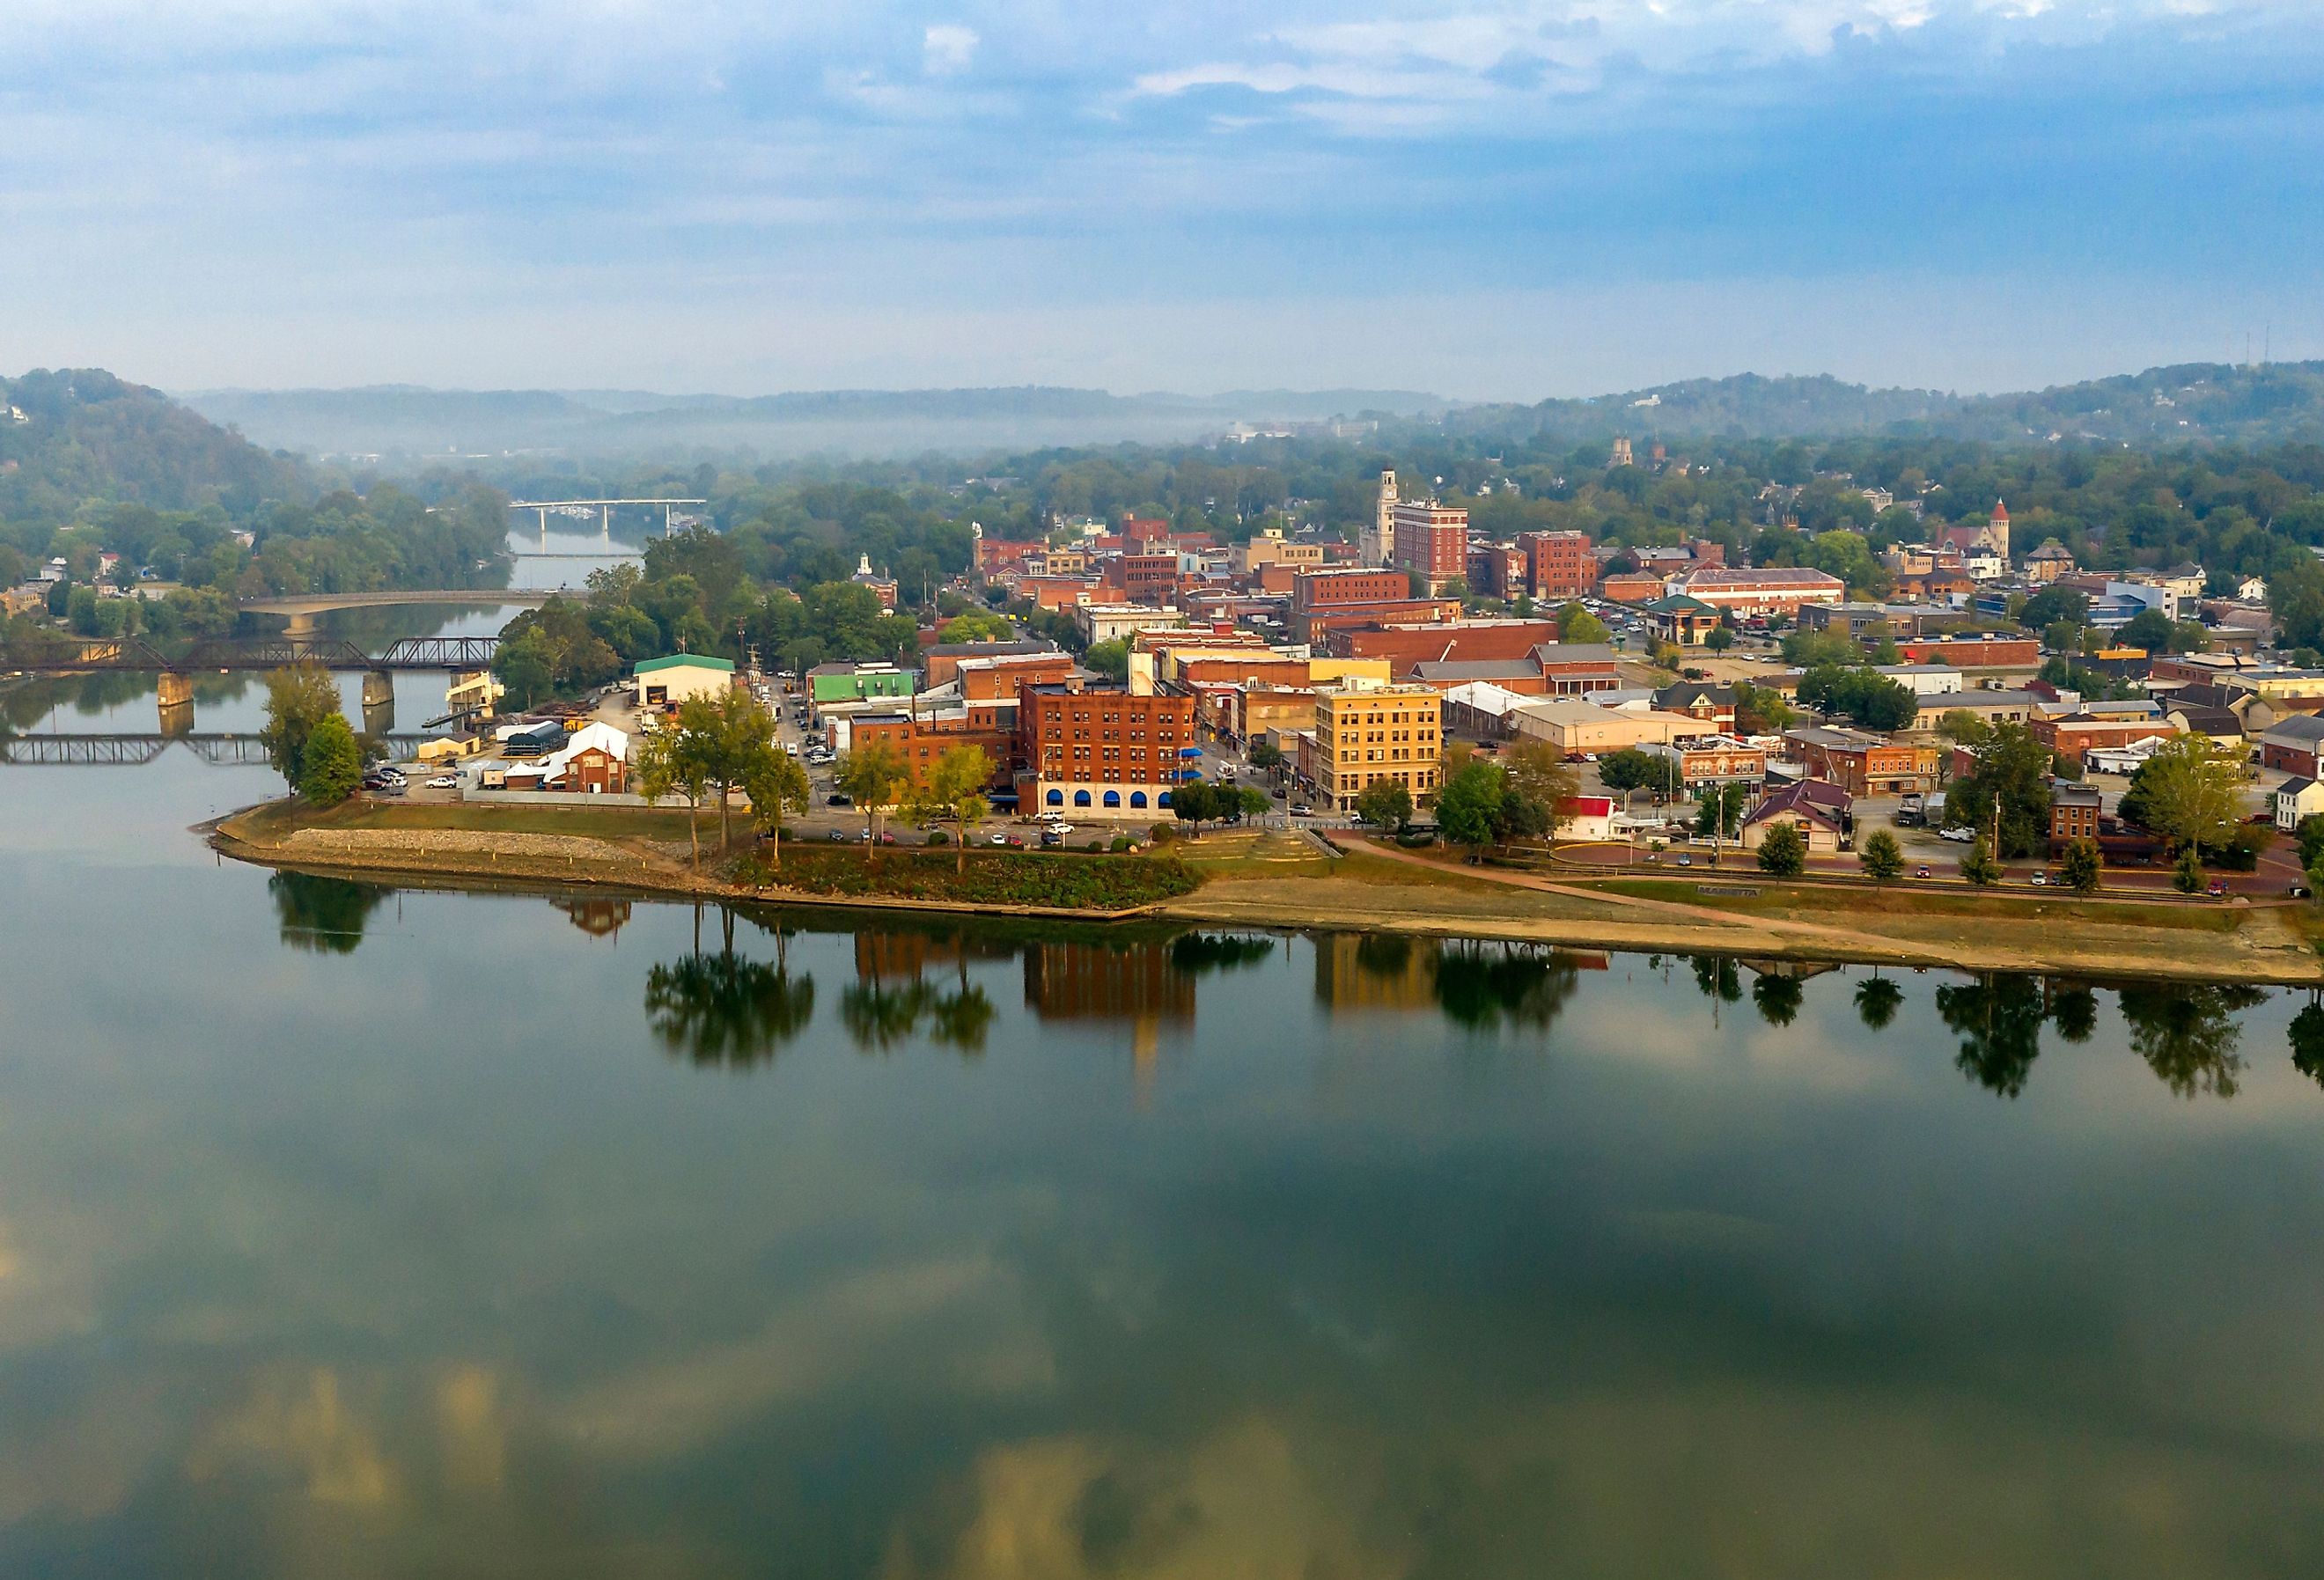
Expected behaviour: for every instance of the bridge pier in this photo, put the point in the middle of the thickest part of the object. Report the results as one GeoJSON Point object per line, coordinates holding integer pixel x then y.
{"type": "Point", "coordinates": [378, 689]}
{"type": "Point", "coordinates": [301, 624]}
{"type": "Point", "coordinates": [174, 697]}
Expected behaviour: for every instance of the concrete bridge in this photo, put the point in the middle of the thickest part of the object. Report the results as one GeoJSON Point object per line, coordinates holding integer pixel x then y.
{"type": "Point", "coordinates": [300, 608]}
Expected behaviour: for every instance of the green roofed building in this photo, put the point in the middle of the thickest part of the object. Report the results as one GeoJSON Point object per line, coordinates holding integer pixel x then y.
{"type": "Point", "coordinates": [1681, 620]}
{"type": "Point", "coordinates": [681, 677]}
{"type": "Point", "coordinates": [838, 683]}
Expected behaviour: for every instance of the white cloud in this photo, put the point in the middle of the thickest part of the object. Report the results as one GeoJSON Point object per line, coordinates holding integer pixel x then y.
{"type": "Point", "coordinates": [948, 50]}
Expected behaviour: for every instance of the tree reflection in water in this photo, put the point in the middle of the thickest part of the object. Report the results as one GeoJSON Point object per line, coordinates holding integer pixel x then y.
{"type": "Point", "coordinates": [725, 1009]}
{"type": "Point", "coordinates": [1480, 986]}
{"type": "Point", "coordinates": [1998, 1018]}
{"type": "Point", "coordinates": [1200, 953]}
{"type": "Point", "coordinates": [2188, 1034]}
{"type": "Point", "coordinates": [1777, 997]}
{"type": "Point", "coordinates": [1877, 1000]}
{"type": "Point", "coordinates": [1717, 978]}
{"type": "Point", "coordinates": [878, 1013]}
{"type": "Point", "coordinates": [325, 915]}
{"type": "Point", "coordinates": [2073, 1011]}
{"type": "Point", "coordinates": [2308, 1041]}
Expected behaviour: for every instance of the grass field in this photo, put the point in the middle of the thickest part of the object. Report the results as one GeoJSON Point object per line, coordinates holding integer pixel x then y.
{"type": "Point", "coordinates": [1823, 902]}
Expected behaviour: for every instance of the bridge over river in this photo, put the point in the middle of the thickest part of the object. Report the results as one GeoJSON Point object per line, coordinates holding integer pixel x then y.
{"type": "Point", "coordinates": [105, 655]}
{"type": "Point", "coordinates": [116, 750]}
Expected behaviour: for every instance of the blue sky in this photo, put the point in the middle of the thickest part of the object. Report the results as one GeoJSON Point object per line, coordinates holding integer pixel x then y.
{"type": "Point", "coordinates": [1506, 200]}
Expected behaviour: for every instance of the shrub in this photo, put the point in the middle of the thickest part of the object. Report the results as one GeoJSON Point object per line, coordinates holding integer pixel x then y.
{"type": "Point", "coordinates": [1121, 843]}
{"type": "Point", "coordinates": [985, 878]}
{"type": "Point", "coordinates": [938, 836]}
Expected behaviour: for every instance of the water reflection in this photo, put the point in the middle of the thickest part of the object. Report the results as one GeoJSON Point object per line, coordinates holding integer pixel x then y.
{"type": "Point", "coordinates": [2188, 1035]}
{"type": "Point", "coordinates": [1877, 1000]}
{"type": "Point", "coordinates": [1479, 985]}
{"type": "Point", "coordinates": [1999, 1017]}
{"type": "Point", "coordinates": [2308, 1040]}
{"type": "Point", "coordinates": [890, 1002]}
{"type": "Point", "coordinates": [723, 1008]}
{"type": "Point", "coordinates": [323, 915]}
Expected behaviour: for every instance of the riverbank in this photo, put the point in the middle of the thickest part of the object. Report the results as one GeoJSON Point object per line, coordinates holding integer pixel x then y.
{"type": "Point", "coordinates": [1278, 880]}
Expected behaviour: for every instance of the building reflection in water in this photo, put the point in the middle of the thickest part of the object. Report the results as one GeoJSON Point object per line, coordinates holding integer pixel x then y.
{"type": "Point", "coordinates": [600, 918]}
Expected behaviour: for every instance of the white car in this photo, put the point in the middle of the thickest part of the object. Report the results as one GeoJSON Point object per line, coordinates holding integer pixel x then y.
{"type": "Point", "coordinates": [444, 782]}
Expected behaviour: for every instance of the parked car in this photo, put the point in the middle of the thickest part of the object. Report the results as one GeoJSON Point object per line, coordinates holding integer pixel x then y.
{"type": "Point", "coordinates": [1685, 860]}
{"type": "Point", "coordinates": [2218, 890]}
{"type": "Point", "coordinates": [836, 836]}
{"type": "Point", "coordinates": [837, 799]}
{"type": "Point", "coordinates": [1958, 836]}
{"type": "Point", "coordinates": [441, 781]}
{"type": "Point", "coordinates": [999, 839]}
{"type": "Point", "coordinates": [2039, 879]}
{"type": "Point", "coordinates": [1921, 873]}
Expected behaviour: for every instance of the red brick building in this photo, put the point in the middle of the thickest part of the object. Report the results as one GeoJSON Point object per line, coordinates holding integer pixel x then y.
{"type": "Point", "coordinates": [1147, 578]}
{"type": "Point", "coordinates": [1319, 589]}
{"type": "Point", "coordinates": [1468, 641]}
{"type": "Point", "coordinates": [921, 740]}
{"type": "Point", "coordinates": [1099, 752]}
{"type": "Point", "coordinates": [1975, 653]}
{"type": "Point", "coordinates": [1560, 564]}
{"type": "Point", "coordinates": [1432, 541]}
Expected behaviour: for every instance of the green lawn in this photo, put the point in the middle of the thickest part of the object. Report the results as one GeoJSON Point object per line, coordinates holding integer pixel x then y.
{"type": "Point", "coordinates": [1817, 902]}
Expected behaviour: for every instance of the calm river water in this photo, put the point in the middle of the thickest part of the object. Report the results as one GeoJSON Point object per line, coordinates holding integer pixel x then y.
{"type": "Point", "coordinates": [345, 1231]}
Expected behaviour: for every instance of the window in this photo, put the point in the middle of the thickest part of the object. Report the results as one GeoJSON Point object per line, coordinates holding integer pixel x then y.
{"type": "Point", "coordinates": [1081, 797]}
{"type": "Point", "coordinates": [1163, 799]}
{"type": "Point", "coordinates": [1137, 798]}
{"type": "Point", "coordinates": [1114, 798]}
{"type": "Point", "coordinates": [1056, 798]}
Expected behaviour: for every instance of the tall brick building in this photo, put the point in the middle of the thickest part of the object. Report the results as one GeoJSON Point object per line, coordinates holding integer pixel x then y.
{"type": "Point", "coordinates": [1562, 565]}
{"type": "Point", "coordinates": [1375, 732]}
{"type": "Point", "coordinates": [1432, 541]}
{"type": "Point", "coordinates": [1092, 752]}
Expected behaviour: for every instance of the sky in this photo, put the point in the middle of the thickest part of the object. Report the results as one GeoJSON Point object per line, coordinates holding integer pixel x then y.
{"type": "Point", "coordinates": [1485, 200]}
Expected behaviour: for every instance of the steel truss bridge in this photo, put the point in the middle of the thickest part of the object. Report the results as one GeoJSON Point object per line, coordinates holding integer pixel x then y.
{"type": "Point", "coordinates": [100, 656]}
{"type": "Point", "coordinates": [61, 751]}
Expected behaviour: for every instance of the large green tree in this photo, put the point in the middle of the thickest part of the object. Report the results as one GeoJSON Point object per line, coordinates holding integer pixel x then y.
{"type": "Point", "coordinates": [2010, 767]}
{"type": "Point", "coordinates": [298, 699]}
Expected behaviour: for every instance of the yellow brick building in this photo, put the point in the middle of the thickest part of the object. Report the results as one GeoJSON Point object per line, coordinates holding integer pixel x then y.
{"type": "Point", "coordinates": [1364, 733]}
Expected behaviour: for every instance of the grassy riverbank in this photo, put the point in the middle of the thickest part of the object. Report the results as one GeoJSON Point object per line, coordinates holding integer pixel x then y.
{"type": "Point", "coordinates": [1275, 879]}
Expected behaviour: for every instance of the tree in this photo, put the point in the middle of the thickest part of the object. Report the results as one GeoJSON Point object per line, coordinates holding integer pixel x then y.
{"type": "Point", "coordinates": [1783, 851]}
{"type": "Point", "coordinates": [1266, 755]}
{"type": "Point", "coordinates": [978, 626]}
{"type": "Point", "coordinates": [736, 742]}
{"type": "Point", "coordinates": [526, 664]}
{"type": "Point", "coordinates": [2188, 792]}
{"type": "Point", "coordinates": [1576, 623]}
{"type": "Point", "coordinates": [330, 766]}
{"type": "Point", "coordinates": [1196, 803]}
{"type": "Point", "coordinates": [1883, 858]}
{"type": "Point", "coordinates": [777, 786]}
{"type": "Point", "coordinates": [1761, 710]}
{"type": "Point", "coordinates": [2187, 871]}
{"type": "Point", "coordinates": [1539, 772]}
{"type": "Point", "coordinates": [2012, 767]}
{"type": "Point", "coordinates": [874, 777]}
{"type": "Point", "coordinates": [2310, 835]}
{"type": "Point", "coordinates": [1720, 639]}
{"type": "Point", "coordinates": [2080, 866]}
{"type": "Point", "coordinates": [664, 771]}
{"type": "Point", "coordinates": [1979, 866]}
{"type": "Point", "coordinates": [2052, 605]}
{"type": "Point", "coordinates": [1469, 802]}
{"type": "Point", "coordinates": [1110, 659]}
{"type": "Point", "coordinates": [1630, 769]}
{"type": "Point", "coordinates": [953, 791]}
{"type": "Point", "coordinates": [2149, 629]}
{"type": "Point", "coordinates": [1386, 803]}
{"type": "Point", "coordinates": [1722, 809]}
{"type": "Point", "coordinates": [298, 699]}
{"type": "Point", "coordinates": [1250, 802]}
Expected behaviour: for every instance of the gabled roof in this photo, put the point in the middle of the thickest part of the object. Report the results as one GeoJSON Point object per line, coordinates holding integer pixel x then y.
{"type": "Point", "coordinates": [2297, 728]}
{"type": "Point", "coordinates": [1789, 800]}
{"type": "Point", "coordinates": [2295, 787]}
{"type": "Point", "coordinates": [686, 660]}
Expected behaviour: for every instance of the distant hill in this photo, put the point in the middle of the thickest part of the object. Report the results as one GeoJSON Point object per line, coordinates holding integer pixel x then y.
{"type": "Point", "coordinates": [76, 434]}
{"type": "Point", "coordinates": [2164, 405]}
{"type": "Point", "coordinates": [411, 422]}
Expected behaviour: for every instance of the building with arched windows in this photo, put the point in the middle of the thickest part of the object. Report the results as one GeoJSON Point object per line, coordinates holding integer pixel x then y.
{"type": "Point", "coordinates": [1100, 752]}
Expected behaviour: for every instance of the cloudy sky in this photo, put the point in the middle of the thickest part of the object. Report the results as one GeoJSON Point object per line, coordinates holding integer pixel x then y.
{"type": "Point", "coordinates": [1511, 200]}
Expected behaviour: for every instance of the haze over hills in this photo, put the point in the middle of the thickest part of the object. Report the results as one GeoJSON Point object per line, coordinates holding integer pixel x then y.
{"type": "Point", "coordinates": [412, 421]}
{"type": "Point", "coordinates": [2193, 401]}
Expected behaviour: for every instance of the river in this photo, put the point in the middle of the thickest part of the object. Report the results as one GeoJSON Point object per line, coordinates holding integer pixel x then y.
{"type": "Point", "coordinates": [346, 1230]}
